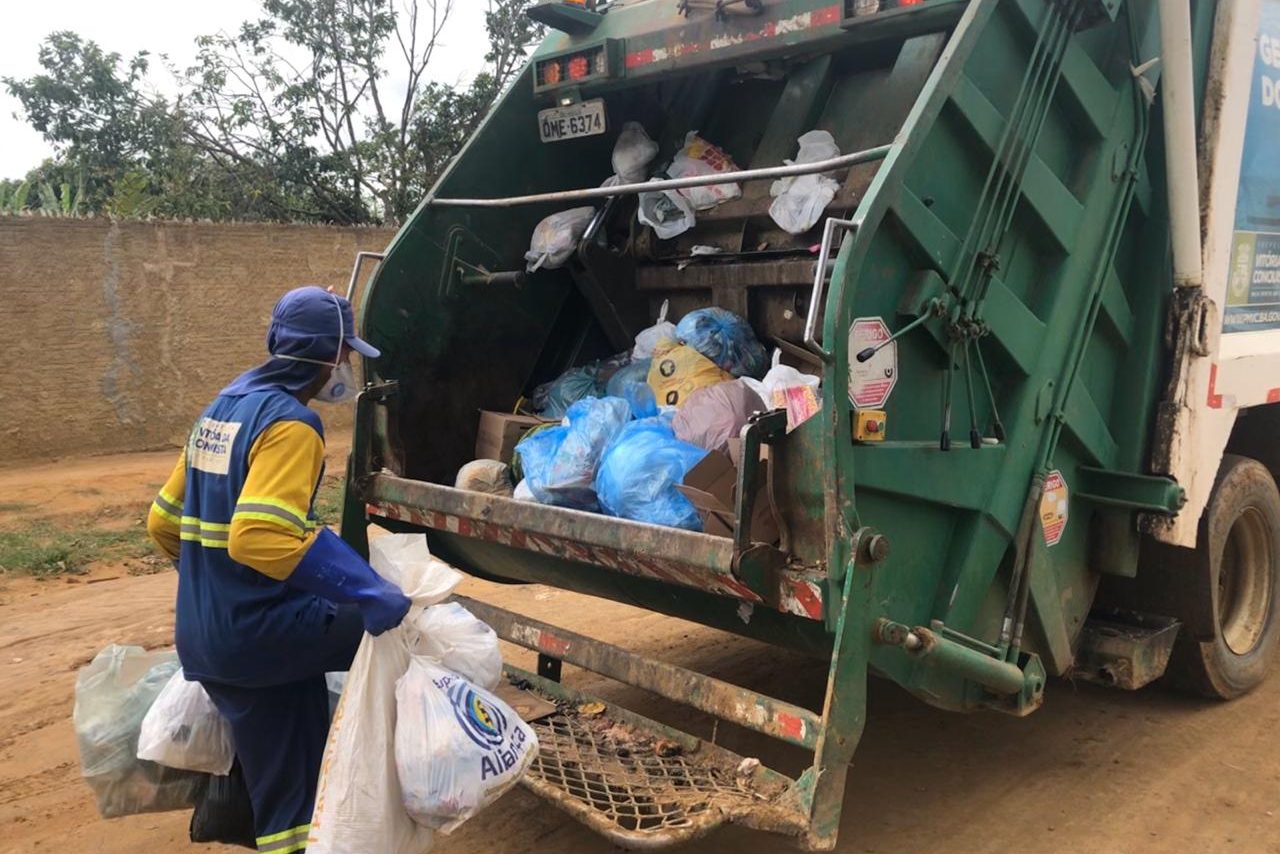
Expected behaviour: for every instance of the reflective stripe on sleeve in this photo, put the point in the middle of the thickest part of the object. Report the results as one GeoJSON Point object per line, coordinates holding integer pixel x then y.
{"type": "Point", "coordinates": [272, 510]}
{"type": "Point", "coordinates": [167, 511]}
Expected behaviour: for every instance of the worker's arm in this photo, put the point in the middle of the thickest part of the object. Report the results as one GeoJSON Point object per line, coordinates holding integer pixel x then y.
{"type": "Point", "coordinates": [269, 529]}
{"type": "Point", "coordinates": [164, 520]}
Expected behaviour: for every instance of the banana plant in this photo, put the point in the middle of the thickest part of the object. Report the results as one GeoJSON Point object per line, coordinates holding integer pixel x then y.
{"type": "Point", "coordinates": [63, 201]}
{"type": "Point", "coordinates": [13, 198]}
{"type": "Point", "coordinates": [49, 205]}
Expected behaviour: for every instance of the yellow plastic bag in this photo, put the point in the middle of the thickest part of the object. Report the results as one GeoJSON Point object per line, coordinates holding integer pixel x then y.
{"type": "Point", "coordinates": [678, 370]}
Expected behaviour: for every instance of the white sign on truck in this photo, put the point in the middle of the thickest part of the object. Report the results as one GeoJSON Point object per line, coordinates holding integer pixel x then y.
{"type": "Point", "coordinates": [1236, 363]}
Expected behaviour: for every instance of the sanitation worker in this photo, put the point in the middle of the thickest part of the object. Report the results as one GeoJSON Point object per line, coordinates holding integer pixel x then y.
{"type": "Point", "coordinates": [268, 600]}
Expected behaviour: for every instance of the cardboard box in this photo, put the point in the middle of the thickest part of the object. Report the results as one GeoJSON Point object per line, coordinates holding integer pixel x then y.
{"type": "Point", "coordinates": [712, 487]}
{"type": "Point", "coordinates": [499, 432]}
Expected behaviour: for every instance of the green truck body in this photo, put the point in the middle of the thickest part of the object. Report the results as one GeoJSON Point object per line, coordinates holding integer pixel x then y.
{"type": "Point", "coordinates": [1009, 221]}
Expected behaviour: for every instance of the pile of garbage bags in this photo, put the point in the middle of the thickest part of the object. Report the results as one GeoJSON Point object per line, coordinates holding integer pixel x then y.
{"type": "Point", "coordinates": [707, 346]}
{"type": "Point", "coordinates": [619, 434]}
{"type": "Point", "coordinates": [629, 436]}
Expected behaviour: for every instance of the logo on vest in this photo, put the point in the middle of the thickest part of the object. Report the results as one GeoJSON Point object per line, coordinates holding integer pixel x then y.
{"type": "Point", "coordinates": [209, 448]}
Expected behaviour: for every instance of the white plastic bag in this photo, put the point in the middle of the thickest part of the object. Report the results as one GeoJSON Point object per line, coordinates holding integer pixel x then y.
{"type": "Point", "coordinates": [488, 476]}
{"type": "Point", "coordinates": [461, 642]}
{"type": "Point", "coordinates": [335, 682]}
{"type": "Point", "coordinates": [359, 807]}
{"type": "Point", "coordinates": [556, 237]}
{"type": "Point", "coordinates": [632, 154]}
{"type": "Point", "coordinates": [799, 201]}
{"type": "Point", "coordinates": [647, 339]}
{"type": "Point", "coordinates": [458, 747]}
{"type": "Point", "coordinates": [668, 213]}
{"type": "Point", "coordinates": [113, 694]}
{"type": "Point", "coordinates": [184, 729]}
{"type": "Point", "coordinates": [699, 157]}
{"type": "Point", "coordinates": [783, 387]}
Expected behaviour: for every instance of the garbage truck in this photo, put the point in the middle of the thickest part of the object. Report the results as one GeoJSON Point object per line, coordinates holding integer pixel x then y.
{"type": "Point", "coordinates": [1044, 304]}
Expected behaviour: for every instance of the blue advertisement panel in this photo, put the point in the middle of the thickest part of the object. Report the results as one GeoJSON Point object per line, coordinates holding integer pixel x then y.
{"type": "Point", "coordinates": [1253, 283]}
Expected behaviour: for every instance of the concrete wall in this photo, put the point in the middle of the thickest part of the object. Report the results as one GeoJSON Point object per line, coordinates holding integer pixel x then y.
{"type": "Point", "coordinates": [117, 334]}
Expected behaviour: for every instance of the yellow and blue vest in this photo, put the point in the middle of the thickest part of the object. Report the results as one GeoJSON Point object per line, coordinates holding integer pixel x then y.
{"type": "Point", "coordinates": [236, 625]}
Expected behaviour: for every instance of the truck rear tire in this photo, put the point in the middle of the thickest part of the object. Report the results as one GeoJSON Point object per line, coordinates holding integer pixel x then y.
{"type": "Point", "coordinates": [1239, 546]}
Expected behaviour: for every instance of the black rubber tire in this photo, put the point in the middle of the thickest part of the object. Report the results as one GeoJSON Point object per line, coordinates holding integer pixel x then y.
{"type": "Point", "coordinates": [1243, 514]}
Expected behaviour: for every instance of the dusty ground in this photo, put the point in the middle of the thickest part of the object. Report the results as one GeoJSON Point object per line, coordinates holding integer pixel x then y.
{"type": "Point", "coordinates": [1093, 771]}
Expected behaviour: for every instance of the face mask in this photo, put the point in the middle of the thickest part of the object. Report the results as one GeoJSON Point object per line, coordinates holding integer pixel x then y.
{"type": "Point", "coordinates": [340, 387]}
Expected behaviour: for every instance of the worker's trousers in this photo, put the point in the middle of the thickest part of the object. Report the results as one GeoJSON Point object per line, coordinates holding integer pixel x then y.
{"type": "Point", "coordinates": [280, 732]}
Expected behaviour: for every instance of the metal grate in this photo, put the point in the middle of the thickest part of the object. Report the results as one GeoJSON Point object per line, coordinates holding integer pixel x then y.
{"type": "Point", "coordinates": [631, 784]}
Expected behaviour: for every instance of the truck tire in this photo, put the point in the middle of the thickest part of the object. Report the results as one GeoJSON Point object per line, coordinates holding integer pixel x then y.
{"type": "Point", "coordinates": [1239, 546]}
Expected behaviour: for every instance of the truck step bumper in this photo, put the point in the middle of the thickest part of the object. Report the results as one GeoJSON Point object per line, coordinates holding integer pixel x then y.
{"type": "Point", "coordinates": [644, 785]}
{"type": "Point", "coordinates": [640, 784]}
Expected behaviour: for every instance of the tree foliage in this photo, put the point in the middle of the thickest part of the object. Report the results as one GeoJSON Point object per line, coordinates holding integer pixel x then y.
{"type": "Point", "coordinates": [318, 110]}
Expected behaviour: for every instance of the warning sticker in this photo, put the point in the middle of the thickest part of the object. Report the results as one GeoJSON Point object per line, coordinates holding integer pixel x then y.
{"type": "Point", "coordinates": [1053, 508]}
{"type": "Point", "coordinates": [871, 382]}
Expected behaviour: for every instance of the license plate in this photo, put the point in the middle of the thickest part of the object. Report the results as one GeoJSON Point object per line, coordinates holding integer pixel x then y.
{"type": "Point", "coordinates": [585, 119]}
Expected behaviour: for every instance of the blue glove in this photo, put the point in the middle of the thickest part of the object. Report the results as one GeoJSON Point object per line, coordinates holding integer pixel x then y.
{"type": "Point", "coordinates": [335, 571]}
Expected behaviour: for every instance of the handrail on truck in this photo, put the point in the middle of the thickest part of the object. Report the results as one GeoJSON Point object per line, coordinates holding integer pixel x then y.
{"type": "Point", "coordinates": [868, 155]}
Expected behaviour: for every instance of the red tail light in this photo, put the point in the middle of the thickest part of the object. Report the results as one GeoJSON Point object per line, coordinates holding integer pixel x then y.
{"type": "Point", "coordinates": [579, 68]}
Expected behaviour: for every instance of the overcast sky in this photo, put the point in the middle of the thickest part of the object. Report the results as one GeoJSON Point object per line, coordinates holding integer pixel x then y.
{"type": "Point", "coordinates": [170, 27]}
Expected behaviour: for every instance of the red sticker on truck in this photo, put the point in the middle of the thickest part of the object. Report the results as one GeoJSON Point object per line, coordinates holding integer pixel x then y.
{"type": "Point", "coordinates": [871, 382]}
{"type": "Point", "coordinates": [1053, 507]}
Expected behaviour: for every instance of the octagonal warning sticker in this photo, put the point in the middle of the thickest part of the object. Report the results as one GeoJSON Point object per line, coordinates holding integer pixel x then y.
{"type": "Point", "coordinates": [871, 382]}
{"type": "Point", "coordinates": [1053, 507]}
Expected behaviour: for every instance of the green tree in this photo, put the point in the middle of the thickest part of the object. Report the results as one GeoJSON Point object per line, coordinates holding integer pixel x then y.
{"type": "Point", "coordinates": [302, 94]}
{"type": "Point", "coordinates": [93, 107]}
{"type": "Point", "coordinates": [291, 117]}
{"type": "Point", "coordinates": [449, 115]}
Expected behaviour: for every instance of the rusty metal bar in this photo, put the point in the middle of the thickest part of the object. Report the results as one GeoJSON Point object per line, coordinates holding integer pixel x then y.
{"type": "Point", "coordinates": [831, 165]}
{"type": "Point", "coordinates": [713, 556]}
{"type": "Point", "coordinates": [772, 717]}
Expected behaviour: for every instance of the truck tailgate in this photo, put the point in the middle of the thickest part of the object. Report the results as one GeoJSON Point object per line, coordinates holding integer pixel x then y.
{"type": "Point", "coordinates": [668, 555]}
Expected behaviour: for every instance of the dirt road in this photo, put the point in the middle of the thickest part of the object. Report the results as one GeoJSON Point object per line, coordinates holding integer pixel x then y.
{"type": "Point", "coordinates": [1093, 771]}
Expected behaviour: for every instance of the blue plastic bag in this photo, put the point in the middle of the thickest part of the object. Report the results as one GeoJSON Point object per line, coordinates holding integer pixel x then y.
{"type": "Point", "coordinates": [726, 339]}
{"type": "Point", "coordinates": [552, 400]}
{"type": "Point", "coordinates": [639, 472]}
{"type": "Point", "coordinates": [560, 463]}
{"type": "Point", "coordinates": [631, 383]}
